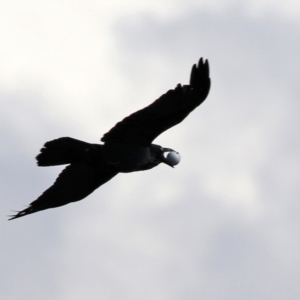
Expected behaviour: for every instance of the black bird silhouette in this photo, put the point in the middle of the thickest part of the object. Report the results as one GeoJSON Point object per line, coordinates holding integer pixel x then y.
{"type": "Point", "coordinates": [127, 146]}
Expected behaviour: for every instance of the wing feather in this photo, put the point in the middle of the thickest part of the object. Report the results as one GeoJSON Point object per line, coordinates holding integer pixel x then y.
{"type": "Point", "coordinates": [143, 126]}
{"type": "Point", "coordinates": [74, 183]}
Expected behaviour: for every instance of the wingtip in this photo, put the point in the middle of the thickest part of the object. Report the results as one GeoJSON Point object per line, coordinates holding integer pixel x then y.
{"type": "Point", "coordinates": [12, 217]}
{"type": "Point", "coordinates": [20, 213]}
{"type": "Point", "coordinates": [204, 64]}
{"type": "Point", "coordinates": [200, 70]}
{"type": "Point", "coordinates": [16, 216]}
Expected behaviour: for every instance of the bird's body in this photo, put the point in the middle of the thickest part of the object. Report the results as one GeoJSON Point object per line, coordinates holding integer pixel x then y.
{"type": "Point", "coordinates": [127, 146]}
{"type": "Point", "coordinates": [128, 158]}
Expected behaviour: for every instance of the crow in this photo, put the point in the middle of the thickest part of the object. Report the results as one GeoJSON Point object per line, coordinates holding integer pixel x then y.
{"type": "Point", "coordinates": [127, 147]}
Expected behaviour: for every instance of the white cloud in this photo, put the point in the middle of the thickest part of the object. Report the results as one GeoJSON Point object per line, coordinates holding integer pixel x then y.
{"type": "Point", "coordinates": [224, 223]}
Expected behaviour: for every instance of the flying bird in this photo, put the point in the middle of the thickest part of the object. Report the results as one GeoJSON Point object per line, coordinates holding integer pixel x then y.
{"type": "Point", "coordinates": [127, 147]}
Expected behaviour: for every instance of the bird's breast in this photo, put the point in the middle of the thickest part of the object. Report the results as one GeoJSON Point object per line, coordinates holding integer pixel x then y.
{"type": "Point", "coordinates": [127, 157]}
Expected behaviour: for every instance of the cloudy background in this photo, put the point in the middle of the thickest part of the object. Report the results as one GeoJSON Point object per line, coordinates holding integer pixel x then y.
{"type": "Point", "coordinates": [225, 223]}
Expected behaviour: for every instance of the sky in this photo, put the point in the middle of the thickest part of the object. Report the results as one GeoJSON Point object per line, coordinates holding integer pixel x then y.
{"type": "Point", "coordinates": [224, 224]}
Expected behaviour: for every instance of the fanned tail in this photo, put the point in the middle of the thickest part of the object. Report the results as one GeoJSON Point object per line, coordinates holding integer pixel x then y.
{"type": "Point", "coordinates": [62, 151]}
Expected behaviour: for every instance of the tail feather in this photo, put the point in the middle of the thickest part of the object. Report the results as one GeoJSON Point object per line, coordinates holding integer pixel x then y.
{"type": "Point", "coordinates": [61, 151]}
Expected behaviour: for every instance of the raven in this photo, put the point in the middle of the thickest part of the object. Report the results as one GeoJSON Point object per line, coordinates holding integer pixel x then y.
{"type": "Point", "coordinates": [127, 146]}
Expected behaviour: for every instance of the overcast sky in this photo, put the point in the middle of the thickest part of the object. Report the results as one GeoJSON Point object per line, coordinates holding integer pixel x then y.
{"type": "Point", "coordinates": [225, 223]}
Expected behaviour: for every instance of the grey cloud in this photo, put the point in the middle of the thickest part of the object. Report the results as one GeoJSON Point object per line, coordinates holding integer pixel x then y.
{"type": "Point", "coordinates": [200, 243]}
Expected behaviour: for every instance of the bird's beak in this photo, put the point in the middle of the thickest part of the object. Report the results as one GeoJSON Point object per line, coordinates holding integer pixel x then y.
{"type": "Point", "coordinates": [164, 160]}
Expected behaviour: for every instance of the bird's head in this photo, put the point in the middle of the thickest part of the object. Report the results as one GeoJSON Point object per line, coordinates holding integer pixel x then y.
{"type": "Point", "coordinates": [170, 157]}
{"type": "Point", "coordinates": [167, 156]}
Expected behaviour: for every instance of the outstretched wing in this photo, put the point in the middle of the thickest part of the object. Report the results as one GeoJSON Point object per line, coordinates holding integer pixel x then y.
{"type": "Point", "coordinates": [74, 183]}
{"type": "Point", "coordinates": [143, 126]}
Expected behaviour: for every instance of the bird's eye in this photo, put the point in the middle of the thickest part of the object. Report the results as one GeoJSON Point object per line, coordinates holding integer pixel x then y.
{"type": "Point", "coordinates": [173, 158]}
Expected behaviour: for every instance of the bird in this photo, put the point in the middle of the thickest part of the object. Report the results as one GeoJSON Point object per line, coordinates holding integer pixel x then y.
{"type": "Point", "coordinates": [127, 147]}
